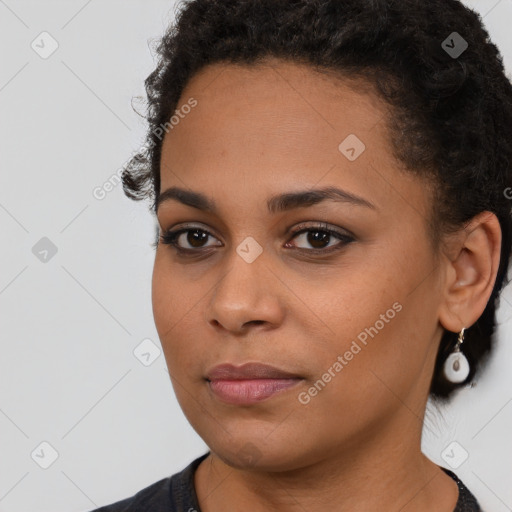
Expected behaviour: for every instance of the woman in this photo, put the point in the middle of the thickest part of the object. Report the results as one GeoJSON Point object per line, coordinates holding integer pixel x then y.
{"type": "Point", "coordinates": [330, 181]}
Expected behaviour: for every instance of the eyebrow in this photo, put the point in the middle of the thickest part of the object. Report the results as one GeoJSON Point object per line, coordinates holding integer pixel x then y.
{"type": "Point", "coordinates": [277, 203]}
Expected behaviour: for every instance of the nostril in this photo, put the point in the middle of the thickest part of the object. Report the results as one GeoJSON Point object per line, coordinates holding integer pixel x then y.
{"type": "Point", "coordinates": [257, 322]}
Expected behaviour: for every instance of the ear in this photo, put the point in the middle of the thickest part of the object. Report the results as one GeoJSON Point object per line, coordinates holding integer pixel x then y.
{"type": "Point", "coordinates": [473, 258]}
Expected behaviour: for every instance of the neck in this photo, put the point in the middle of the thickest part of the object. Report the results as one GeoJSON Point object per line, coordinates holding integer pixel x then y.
{"type": "Point", "coordinates": [387, 471]}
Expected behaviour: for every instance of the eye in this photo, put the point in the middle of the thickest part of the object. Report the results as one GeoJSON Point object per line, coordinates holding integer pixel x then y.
{"type": "Point", "coordinates": [320, 238]}
{"type": "Point", "coordinates": [190, 240]}
{"type": "Point", "coordinates": [187, 239]}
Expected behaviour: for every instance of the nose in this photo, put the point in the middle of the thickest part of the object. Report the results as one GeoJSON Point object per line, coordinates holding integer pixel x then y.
{"type": "Point", "coordinates": [247, 294]}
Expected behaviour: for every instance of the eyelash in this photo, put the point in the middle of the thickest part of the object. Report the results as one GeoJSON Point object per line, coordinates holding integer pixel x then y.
{"type": "Point", "coordinates": [170, 237]}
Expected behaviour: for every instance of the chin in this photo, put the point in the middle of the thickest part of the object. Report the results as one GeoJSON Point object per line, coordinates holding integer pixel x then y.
{"type": "Point", "coordinates": [261, 455]}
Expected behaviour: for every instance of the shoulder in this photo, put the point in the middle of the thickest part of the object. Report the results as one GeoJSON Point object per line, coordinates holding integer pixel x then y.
{"type": "Point", "coordinates": [466, 502]}
{"type": "Point", "coordinates": [174, 493]}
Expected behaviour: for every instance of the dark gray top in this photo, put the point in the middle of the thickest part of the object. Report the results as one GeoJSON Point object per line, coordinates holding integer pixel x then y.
{"type": "Point", "coordinates": [177, 493]}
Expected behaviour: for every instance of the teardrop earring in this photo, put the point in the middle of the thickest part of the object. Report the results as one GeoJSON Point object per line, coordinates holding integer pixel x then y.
{"type": "Point", "coordinates": [456, 366]}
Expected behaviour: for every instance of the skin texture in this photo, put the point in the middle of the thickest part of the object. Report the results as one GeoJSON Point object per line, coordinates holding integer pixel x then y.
{"type": "Point", "coordinates": [355, 446]}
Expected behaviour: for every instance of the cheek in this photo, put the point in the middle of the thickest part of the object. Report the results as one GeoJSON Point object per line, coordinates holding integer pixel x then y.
{"type": "Point", "coordinates": [173, 295]}
{"type": "Point", "coordinates": [386, 353]}
{"type": "Point", "coordinates": [347, 302]}
{"type": "Point", "coordinates": [178, 305]}
{"type": "Point", "coordinates": [364, 368]}
{"type": "Point", "coordinates": [374, 324]}
{"type": "Point", "coordinates": [164, 299]}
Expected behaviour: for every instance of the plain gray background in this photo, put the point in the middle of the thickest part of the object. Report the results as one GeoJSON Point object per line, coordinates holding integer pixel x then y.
{"type": "Point", "coordinates": [71, 321]}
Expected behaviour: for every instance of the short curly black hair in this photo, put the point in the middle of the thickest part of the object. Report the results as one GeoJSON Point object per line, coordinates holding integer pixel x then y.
{"type": "Point", "coordinates": [451, 105]}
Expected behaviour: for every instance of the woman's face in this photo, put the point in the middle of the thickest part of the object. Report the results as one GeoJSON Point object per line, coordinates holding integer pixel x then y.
{"type": "Point", "coordinates": [354, 316]}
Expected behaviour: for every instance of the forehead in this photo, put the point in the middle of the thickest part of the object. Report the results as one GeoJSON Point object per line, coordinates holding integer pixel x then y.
{"type": "Point", "coordinates": [274, 109]}
{"type": "Point", "coordinates": [275, 124]}
{"type": "Point", "coordinates": [294, 92]}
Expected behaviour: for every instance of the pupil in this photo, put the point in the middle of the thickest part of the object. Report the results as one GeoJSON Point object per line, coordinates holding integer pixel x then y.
{"type": "Point", "coordinates": [196, 236]}
{"type": "Point", "coordinates": [319, 237]}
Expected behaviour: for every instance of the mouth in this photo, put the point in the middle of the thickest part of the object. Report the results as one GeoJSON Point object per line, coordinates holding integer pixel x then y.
{"type": "Point", "coordinates": [249, 383]}
{"type": "Point", "coordinates": [249, 391]}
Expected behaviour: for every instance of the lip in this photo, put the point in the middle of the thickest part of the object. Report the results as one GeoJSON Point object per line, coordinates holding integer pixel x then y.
{"type": "Point", "coordinates": [249, 391]}
{"type": "Point", "coordinates": [249, 383]}
{"type": "Point", "coordinates": [248, 371]}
